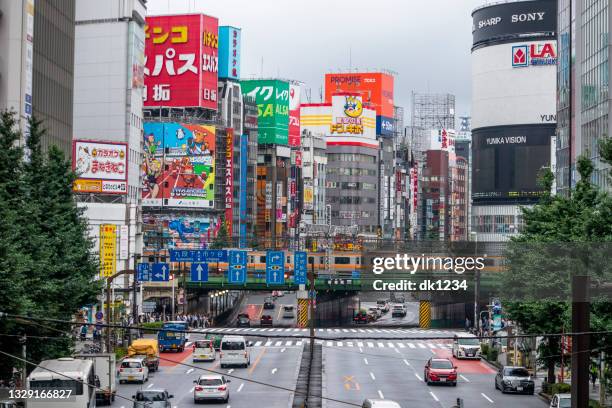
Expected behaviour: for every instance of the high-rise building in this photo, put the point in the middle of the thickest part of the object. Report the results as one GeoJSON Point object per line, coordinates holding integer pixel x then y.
{"type": "Point", "coordinates": [513, 111]}
{"type": "Point", "coordinates": [583, 100]}
{"type": "Point", "coordinates": [37, 65]}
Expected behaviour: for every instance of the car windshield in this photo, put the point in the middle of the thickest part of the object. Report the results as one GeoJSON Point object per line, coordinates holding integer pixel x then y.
{"type": "Point", "coordinates": [210, 381]}
{"type": "Point", "coordinates": [516, 372]}
{"type": "Point", "coordinates": [288, 308]}
{"type": "Point", "coordinates": [130, 364]}
{"type": "Point", "coordinates": [468, 342]}
{"type": "Point", "coordinates": [441, 364]}
{"type": "Point", "coordinates": [151, 396]}
{"type": "Point", "coordinates": [381, 302]}
{"type": "Point", "coordinates": [232, 345]}
{"type": "Point", "coordinates": [244, 319]}
{"type": "Point", "coordinates": [203, 344]}
{"type": "Point", "coordinates": [565, 402]}
{"type": "Point", "coordinates": [266, 317]}
{"type": "Point", "coordinates": [268, 300]}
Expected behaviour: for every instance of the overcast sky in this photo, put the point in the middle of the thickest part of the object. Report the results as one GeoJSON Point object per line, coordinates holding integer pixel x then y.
{"type": "Point", "coordinates": [426, 42]}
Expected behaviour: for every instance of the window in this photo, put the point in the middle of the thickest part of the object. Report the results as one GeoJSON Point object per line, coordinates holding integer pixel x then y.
{"type": "Point", "coordinates": [232, 345]}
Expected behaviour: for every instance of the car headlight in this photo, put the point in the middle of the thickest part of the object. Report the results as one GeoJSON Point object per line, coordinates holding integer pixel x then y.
{"type": "Point", "coordinates": [507, 382]}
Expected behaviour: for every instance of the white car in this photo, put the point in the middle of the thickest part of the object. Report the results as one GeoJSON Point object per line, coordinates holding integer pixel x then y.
{"type": "Point", "coordinates": [133, 369]}
{"type": "Point", "coordinates": [234, 351]}
{"type": "Point", "coordinates": [561, 401]}
{"type": "Point", "coordinates": [211, 387]}
{"type": "Point", "coordinates": [466, 347]}
{"type": "Point", "coordinates": [379, 403]}
{"type": "Point", "coordinates": [288, 312]}
{"type": "Point", "coordinates": [203, 350]}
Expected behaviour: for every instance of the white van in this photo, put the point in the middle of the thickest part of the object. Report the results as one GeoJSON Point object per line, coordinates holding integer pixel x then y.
{"type": "Point", "coordinates": [133, 369]}
{"type": "Point", "coordinates": [203, 350]}
{"type": "Point", "coordinates": [234, 351]}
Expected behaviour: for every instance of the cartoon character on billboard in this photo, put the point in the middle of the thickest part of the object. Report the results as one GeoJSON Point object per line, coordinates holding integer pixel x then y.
{"type": "Point", "coordinates": [83, 160]}
{"type": "Point", "coordinates": [197, 144]}
{"type": "Point", "coordinates": [152, 169]}
{"type": "Point", "coordinates": [151, 145]}
{"type": "Point", "coordinates": [353, 108]}
{"type": "Point", "coordinates": [181, 227]}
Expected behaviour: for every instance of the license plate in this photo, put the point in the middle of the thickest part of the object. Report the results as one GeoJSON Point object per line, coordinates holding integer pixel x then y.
{"type": "Point", "coordinates": [519, 388]}
{"type": "Point", "coordinates": [210, 390]}
{"type": "Point", "coordinates": [130, 377]}
{"type": "Point", "coordinates": [442, 379]}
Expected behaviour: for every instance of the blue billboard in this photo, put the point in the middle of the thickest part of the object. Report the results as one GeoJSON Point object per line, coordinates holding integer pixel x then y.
{"type": "Point", "coordinates": [384, 126]}
{"type": "Point", "coordinates": [229, 52]}
{"type": "Point", "coordinates": [244, 152]}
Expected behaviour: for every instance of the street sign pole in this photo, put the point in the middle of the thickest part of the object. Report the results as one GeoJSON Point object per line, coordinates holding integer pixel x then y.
{"type": "Point", "coordinates": [311, 306]}
{"type": "Point", "coordinates": [173, 279]}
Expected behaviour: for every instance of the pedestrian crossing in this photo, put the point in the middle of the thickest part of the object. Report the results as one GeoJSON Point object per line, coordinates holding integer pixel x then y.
{"type": "Point", "coordinates": [402, 346]}
{"type": "Point", "coordinates": [321, 331]}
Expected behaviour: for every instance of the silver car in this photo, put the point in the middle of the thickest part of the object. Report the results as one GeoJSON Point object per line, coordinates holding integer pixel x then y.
{"type": "Point", "coordinates": [514, 379]}
{"type": "Point", "coordinates": [211, 387]}
{"type": "Point", "coordinates": [152, 399]}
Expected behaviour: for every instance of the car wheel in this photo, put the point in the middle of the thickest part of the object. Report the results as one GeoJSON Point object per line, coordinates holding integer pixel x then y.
{"type": "Point", "coordinates": [531, 392]}
{"type": "Point", "coordinates": [503, 389]}
{"type": "Point", "coordinates": [496, 387]}
{"type": "Point", "coordinates": [455, 384]}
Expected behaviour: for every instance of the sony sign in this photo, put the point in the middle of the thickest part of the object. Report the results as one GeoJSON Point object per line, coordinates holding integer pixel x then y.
{"type": "Point", "coordinates": [521, 18]}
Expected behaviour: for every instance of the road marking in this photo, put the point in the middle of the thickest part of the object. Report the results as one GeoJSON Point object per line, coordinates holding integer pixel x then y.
{"type": "Point", "coordinates": [431, 346]}
{"type": "Point", "coordinates": [370, 344]}
{"type": "Point", "coordinates": [231, 370]}
{"type": "Point", "coordinates": [339, 344]}
{"type": "Point", "coordinates": [191, 390]}
{"type": "Point", "coordinates": [380, 394]}
{"type": "Point", "coordinates": [372, 375]}
{"type": "Point", "coordinates": [288, 343]}
{"type": "Point", "coordinates": [349, 343]}
{"type": "Point", "coordinates": [150, 385]}
{"type": "Point", "coordinates": [391, 345]}
{"type": "Point", "coordinates": [487, 398]}
{"type": "Point", "coordinates": [401, 345]}
{"type": "Point", "coordinates": [411, 345]}
{"type": "Point", "coordinates": [189, 371]}
{"type": "Point", "coordinates": [274, 370]}
{"type": "Point", "coordinates": [257, 360]}
{"type": "Point", "coordinates": [278, 343]}
{"type": "Point", "coordinates": [418, 376]}
{"type": "Point", "coordinates": [396, 350]}
{"type": "Point", "coordinates": [421, 345]}
{"type": "Point", "coordinates": [464, 379]}
{"type": "Point", "coordinates": [283, 349]}
{"type": "Point", "coordinates": [360, 350]}
{"type": "Point", "coordinates": [380, 345]}
{"type": "Point", "coordinates": [240, 387]}
{"type": "Point", "coordinates": [406, 362]}
{"type": "Point", "coordinates": [365, 360]}
{"type": "Point", "coordinates": [268, 343]}
{"type": "Point", "coordinates": [434, 396]}
{"type": "Point", "coordinates": [359, 344]}
{"type": "Point", "coordinates": [258, 343]}
{"type": "Point", "coordinates": [330, 344]}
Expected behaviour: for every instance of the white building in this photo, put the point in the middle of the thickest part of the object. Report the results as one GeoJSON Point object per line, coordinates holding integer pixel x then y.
{"type": "Point", "coordinates": [109, 78]}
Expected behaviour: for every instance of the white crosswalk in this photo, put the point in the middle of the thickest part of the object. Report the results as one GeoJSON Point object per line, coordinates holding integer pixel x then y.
{"type": "Point", "coordinates": [297, 331]}
{"type": "Point", "coordinates": [351, 344]}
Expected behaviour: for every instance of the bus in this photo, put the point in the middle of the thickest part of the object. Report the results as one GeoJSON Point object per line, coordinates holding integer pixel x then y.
{"type": "Point", "coordinates": [71, 381]}
{"type": "Point", "coordinates": [169, 339]}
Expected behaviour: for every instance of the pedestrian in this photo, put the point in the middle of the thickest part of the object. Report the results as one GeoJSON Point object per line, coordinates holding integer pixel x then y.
{"type": "Point", "coordinates": [83, 332]}
{"type": "Point", "coordinates": [593, 373]}
{"type": "Point", "coordinates": [467, 324]}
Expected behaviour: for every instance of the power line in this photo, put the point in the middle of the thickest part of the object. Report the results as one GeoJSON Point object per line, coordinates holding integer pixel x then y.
{"type": "Point", "coordinates": [35, 337]}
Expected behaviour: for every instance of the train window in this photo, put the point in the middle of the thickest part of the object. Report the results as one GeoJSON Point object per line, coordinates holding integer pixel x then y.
{"type": "Point", "coordinates": [251, 259]}
{"type": "Point", "coordinates": [262, 259]}
{"type": "Point", "coordinates": [288, 259]}
{"type": "Point", "coordinates": [311, 260]}
{"type": "Point", "coordinates": [342, 260]}
{"type": "Point", "coordinates": [357, 260]}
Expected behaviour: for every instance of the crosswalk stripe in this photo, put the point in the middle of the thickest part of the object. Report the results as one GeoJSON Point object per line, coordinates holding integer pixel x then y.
{"type": "Point", "coordinates": [401, 345]}
{"type": "Point", "coordinates": [411, 345]}
{"type": "Point", "coordinates": [349, 343]}
{"type": "Point", "coordinates": [268, 343]}
{"type": "Point", "coordinates": [278, 343]}
{"type": "Point", "coordinates": [359, 344]}
{"type": "Point", "coordinates": [421, 345]}
{"type": "Point", "coordinates": [345, 331]}
{"type": "Point", "coordinates": [287, 330]}
{"type": "Point", "coordinates": [339, 344]}
{"type": "Point", "coordinates": [380, 345]}
{"type": "Point", "coordinates": [431, 346]}
{"type": "Point", "coordinates": [391, 345]}
{"type": "Point", "coordinates": [288, 343]}
{"type": "Point", "coordinates": [371, 345]}
{"type": "Point", "coordinates": [441, 345]}
{"type": "Point", "coordinates": [330, 344]}
{"type": "Point", "coordinates": [296, 329]}
{"type": "Point", "coordinates": [298, 343]}
{"type": "Point", "coordinates": [258, 343]}
{"type": "Point", "coordinates": [319, 341]}
{"type": "Point", "coordinates": [353, 330]}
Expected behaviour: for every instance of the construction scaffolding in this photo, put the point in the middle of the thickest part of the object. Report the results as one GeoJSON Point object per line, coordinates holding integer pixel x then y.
{"type": "Point", "coordinates": [433, 111]}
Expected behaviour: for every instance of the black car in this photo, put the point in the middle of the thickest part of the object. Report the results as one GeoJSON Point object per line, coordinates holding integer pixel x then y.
{"type": "Point", "coordinates": [514, 379]}
{"type": "Point", "coordinates": [268, 303]}
{"type": "Point", "coordinates": [265, 321]}
{"type": "Point", "coordinates": [243, 321]}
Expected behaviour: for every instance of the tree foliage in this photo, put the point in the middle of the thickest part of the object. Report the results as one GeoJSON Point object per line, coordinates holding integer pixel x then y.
{"type": "Point", "coordinates": [46, 265]}
{"type": "Point", "coordinates": [222, 240]}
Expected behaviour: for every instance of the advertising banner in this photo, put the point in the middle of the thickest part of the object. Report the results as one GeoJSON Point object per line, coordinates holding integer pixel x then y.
{"type": "Point", "coordinates": [375, 88]}
{"type": "Point", "coordinates": [180, 231]}
{"type": "Point", "coordinates": [244, 146]}
{"type": "Point", "coordinates": [101, 167]}
{"type": "Point", "coordinates": [350, 117]}
{"type": "Point", "coordinates": [229, 180]}
{"type": "Point", "coordinates": [229, 52]}
{"type": "Point", "coordinates": [136, 56]}
{"type": "Point", "coordinates": [384, 126]}
{"type": "Point", "coordinates": [108, 250]}
{"type": "Point", "coordinates": [124, 242]}
{"type": "Point", "coordinates": [308, 194]}
{"type": "Point", "coordinates": [272, 98]}
{"type": "Point", "coordinates": [294, 115]}
{"type": "Point", "coordinates": [181, 61]}
{"type": "Point", "coordinates": [179, 165]}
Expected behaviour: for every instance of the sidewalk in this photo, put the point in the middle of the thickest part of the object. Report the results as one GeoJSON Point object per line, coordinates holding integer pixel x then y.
{"type": "Point", "coordinates": [593, 391]}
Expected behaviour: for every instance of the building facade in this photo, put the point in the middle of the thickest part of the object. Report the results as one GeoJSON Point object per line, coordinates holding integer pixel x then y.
{"type": "Point", "coordinates": [513, 111]}
{"type": "Point", "coordinates": [37, 40]}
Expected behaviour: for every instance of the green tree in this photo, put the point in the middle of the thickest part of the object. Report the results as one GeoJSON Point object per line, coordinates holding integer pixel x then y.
{"type": "Point", "coordinates": [46, 265]}
{"type": "Point", "coordinates": [222, 240]}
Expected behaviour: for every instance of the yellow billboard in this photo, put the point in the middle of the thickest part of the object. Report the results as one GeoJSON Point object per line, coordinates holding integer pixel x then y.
{"type": "Point", "coordinates": [108, 250]}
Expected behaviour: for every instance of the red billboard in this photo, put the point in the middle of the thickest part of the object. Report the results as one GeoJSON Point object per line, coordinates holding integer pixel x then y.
{"type": "Point", "coordinates": [376, 89]}
{"type": "Point", "coordinates": [294, 115]}
{"type": "Point", "coordinates": [229, 180]}
{"type": "Point", "coordinates": [181, 61]}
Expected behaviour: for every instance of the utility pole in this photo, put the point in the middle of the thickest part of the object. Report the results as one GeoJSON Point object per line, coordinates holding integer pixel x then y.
{"type": "Point", "coordinates": [580, 342]}
{"type": "Point", "coordinates": [23, 340]}
{"type": "Point", "coordinates": [311, 280]}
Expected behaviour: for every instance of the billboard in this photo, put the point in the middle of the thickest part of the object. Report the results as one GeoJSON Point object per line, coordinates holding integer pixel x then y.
{"type": "Point", "coordinates": [294, 115]}
{"type": "Point", "coordinates": [376, 89]}
{"type": "Point", "coordinates": [534, 54]}
{"type": "Point", "coordinates": [101, 167]}
{"type": "Point", "coordinates": [179, 165]}
{"type": "Point", "coordinates": [136, 47]}
{"type": "Point", "coordinates": [108, 250]}
{"type": "Point", "coordinates": [244, 149]}
{"type": "Point", "coordinates": [272, 98]}
{"type": "Point", "coordinates": [350, 117]}
{"type": "Point", "coordinates": [228, 193]}
{"type": "Point", "coordinates": [181, 61]}
{"type": "Point", "coordinates": [507, 161]}
{"type": "Point", "coordinates": [308, 194]}
{"type": "Point", "coordinates": [229, 52]}
{"type": "Point", "coordinates": [505, 94]}
{"type": "Point", "coordinates": [179, 230]}
{"type": "Point", "coordinates": [501, 21]}
{"type": "Point", "coordinates": [442, 139]}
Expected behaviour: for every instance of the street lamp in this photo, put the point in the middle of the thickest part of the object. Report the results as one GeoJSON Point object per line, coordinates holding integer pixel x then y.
{"type": "Point", "coordinates": [474, 237]}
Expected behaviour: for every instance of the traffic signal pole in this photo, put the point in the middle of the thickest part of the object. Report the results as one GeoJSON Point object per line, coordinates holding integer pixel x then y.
{"type": "Point", "coordinates": [580, 342]}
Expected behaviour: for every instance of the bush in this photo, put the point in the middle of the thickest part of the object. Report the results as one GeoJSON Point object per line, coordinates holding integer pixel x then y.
{"type": "Point", "coordinates": [546, 387]}
{"type": "Point", "coordinates": [151, 325]}
{"type": "Point", "coordinates": [492, 354]}
{"type": "Point", "coordinates": [484, 349]}
{"type": "Point", "coordinates": [120, 352]}
{"type": "Point", "coordinates": [594, 404]}
{"type": "Point", "coordinates": [559, 388]}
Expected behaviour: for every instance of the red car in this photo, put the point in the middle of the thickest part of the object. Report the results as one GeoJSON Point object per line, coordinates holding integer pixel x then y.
{"type": "Point", "coordinates": [266, 320]}
{"type": "Point", "coordinates": [440, 370]}
{"type": "Point", "coordinates": [361, 318]}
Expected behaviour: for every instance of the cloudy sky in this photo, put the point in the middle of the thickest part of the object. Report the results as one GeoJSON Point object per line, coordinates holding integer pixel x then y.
{"type": "Point", "coordinates": [426, 42]}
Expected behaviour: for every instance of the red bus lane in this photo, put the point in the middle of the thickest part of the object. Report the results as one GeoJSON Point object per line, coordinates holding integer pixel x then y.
{"type": "Point", "coordinates": [254, 311]}
{"type": "Point", "coordinates": [465, 366]}
{"type": "Point", "coordinates": [170, 359]}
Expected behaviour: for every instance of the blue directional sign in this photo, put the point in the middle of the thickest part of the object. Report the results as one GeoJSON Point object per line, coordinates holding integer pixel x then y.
{"type": "Point", "coordinates": [275, 267]}
{"type": "Point", "coordinates": [199, 272]}
{"type": "Point", "coordinates": [161, 272]}
{"type": "Point", "coordinates": [237, 266]}
{"type": "Point", "coordinates": [181, 255]}
{"type": "Point", "coordinates": [143, 272]}
{"type": "Point", "coordinates": [300, 267]}
{"type": "Point", "coordinates": [215, 255]}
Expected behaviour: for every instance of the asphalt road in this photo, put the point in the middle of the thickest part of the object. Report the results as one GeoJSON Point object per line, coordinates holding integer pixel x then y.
{"type": "Point", "coordinates": [253, 306]}
{"type": "Point", "coordinates": [411, 318]}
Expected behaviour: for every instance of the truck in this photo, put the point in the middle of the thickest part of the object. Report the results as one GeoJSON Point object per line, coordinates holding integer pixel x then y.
{"type": "Point", "coordinates": [173, 336]}
{"type": "Point", "coordinates": [149, 349]}
{"type": "Point", "coordinates": [105, 372]}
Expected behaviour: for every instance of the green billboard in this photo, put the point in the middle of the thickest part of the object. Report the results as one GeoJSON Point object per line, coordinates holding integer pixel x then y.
{"type": "Point", "coordinates": [272, 98]}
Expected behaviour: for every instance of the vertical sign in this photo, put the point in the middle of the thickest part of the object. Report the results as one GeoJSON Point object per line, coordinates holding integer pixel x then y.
{"type": "Point", "coordinates": [294, 115]}
{"type": "Point", "coordinates": [181, 61]}
{"type": "Point", "coordinates": [28, 63]}
{"type": "Point", "coordinates": [124, 242]}
{"type": "Point", "coordinates": [108, 250]}
{"type": "Point", "coordinates": [229, 180]}
{"type": "Point", "coordinates": [229, 52]}
{"type": "Point", "coordinates": [279, 201]}
{"type": "Point", "coordinates": [244, 152]}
